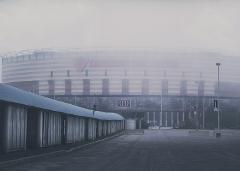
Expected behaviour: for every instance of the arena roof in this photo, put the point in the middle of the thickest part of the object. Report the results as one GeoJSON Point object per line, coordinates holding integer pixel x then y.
{"type": "Point", "coordinates": [15, 95]}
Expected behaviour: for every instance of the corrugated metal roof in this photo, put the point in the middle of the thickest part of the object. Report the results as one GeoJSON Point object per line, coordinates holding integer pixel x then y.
{"type": "Point", "coordinates": [15, 95]}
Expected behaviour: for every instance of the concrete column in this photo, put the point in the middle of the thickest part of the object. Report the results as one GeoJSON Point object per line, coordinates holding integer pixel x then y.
{"type": "Point", "coordinates": [140, 124]}
{"type": "Point", "coordinates": [154, 120]}
{"type": "Point", "coordinates": [183, 116]}
{"type": "Point", "coordinates": [177, 119]}
{"type": "Point", "coordinates": [161, 120]}
{"type": "Point", "coordinates": [166, 121]}
{"type": "Point", "coordinates": [203, 116]}
{"type": "Point", "coordinates": [172, 119]}
{"type": "Point", "coordinates": [148, 117]}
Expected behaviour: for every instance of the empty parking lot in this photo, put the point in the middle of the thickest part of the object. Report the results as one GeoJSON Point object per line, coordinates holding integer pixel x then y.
{"type": "Point", "coordinates": [153, 150]}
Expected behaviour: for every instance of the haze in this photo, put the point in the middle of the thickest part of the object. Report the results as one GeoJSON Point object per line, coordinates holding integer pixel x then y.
{"type": "Point", "coordinates": [174, 25]}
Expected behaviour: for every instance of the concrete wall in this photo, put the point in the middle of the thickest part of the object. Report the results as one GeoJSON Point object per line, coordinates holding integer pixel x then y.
{"type": "Point", "coordinates": [130, 124]}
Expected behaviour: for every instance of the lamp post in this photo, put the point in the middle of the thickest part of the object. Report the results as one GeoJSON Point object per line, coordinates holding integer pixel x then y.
{"type": "Point", "coordinates": [94, 96]}
{"type": "Point", "coordinates": [198, 101]}
{"type": "Point", "coordinates": [203, 113]}
{"type": "Point", "coordinates": [196, 110]}
{"type": "Point", "coordinates": [160, 118]}
{"type": "Point", "coordinates": [218, 93]}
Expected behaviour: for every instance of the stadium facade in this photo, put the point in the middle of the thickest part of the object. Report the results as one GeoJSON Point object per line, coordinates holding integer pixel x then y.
{"type": "Point", "coordinates": [124, 80]}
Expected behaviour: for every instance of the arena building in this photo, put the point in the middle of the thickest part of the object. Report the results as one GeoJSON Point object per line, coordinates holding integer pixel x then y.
{"type": "Point", "coordinates": [129, 81]}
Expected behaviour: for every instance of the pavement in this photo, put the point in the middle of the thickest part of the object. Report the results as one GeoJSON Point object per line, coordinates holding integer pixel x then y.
{"type": "Point", "coordinates": [155, 150]}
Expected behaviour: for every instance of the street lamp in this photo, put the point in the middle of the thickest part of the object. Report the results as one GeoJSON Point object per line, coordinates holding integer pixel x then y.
{"type": "Point", "coordinates": [198, 101]}
{"type": "Point", "coordinates": [218, 93]}
{"type": "Point", "coordinates": [161, 117]}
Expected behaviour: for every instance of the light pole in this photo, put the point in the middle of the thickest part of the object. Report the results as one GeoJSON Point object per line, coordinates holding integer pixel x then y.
{"type": "Point", "coordinates": [203, 112]}
{"type": "Point", "coordinates": [198, 101]}
{"type": "Point", "coordinates": [160, 118]}
{"type": "Point", "coordinates": [196, 110]}
{"type": "Point", "coordinates": [218, 93]}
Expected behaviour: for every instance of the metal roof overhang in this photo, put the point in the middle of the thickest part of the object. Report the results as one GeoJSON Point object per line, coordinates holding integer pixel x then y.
{"type": "Point", "coordinates": [15, 95]}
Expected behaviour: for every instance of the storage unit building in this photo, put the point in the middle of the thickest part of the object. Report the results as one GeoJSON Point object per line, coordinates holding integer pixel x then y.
{"type": "Point", "coordinates": [30, 121]}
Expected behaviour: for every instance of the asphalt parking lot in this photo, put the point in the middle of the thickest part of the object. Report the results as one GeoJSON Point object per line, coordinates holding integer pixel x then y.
{"type": "Point", "coordinates": [155, 150]}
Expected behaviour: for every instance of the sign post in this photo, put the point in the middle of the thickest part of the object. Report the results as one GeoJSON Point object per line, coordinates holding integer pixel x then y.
{"type": "Point", "coordinates": [94, 108]}
{"type": "Point", "coordinates": [215, 105]}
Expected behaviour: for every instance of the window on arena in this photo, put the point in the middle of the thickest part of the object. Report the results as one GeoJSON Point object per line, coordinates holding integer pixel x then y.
{"type": "Point", "coordinates": [125, 86]}
{"type": "Point", "coordinates": [68, 73]}
{"type": "Point", "coordinates": [105, 86]}
{"type": "Point", "coordinates": [86, 86]}
{"type": "Point", "coordinates": [183, 87]}
{"type": "Point", "coordinates": [51, 73]}
{"type": "Point", "coordinates": [86, 73]}
{"type": "Point", "coordinates": [51, 86]}
{"type": "Point", "coordinates": [125, 72]}
{"type": "Point", "coordinates": [165, 87]}
{"type": "Point", "coordinates": [201, 88]}
{"type": "Point", "coordinates": [145, 86]}
{"type": "Point", "coordinates": [106, 73]}
{"type": "Point", "coordinates": [68, 87]}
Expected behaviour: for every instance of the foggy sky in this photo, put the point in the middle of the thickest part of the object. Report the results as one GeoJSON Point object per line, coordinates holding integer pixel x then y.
{"type": "Point", "coordinates": [206, 25]}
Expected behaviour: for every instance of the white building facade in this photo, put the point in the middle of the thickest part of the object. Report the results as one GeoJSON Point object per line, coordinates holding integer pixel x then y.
{"type": "Point", "coordinates": [122, 72]}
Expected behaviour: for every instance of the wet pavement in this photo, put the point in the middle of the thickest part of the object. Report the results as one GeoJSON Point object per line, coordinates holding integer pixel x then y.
{"type": "Point", "coordinates": [155, 150]}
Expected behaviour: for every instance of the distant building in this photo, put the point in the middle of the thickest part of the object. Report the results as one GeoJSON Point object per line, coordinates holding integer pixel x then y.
{"type": "Point", "coordinates": [125, 72]}
{"type": "Point", "coordinates": [126, 81]}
